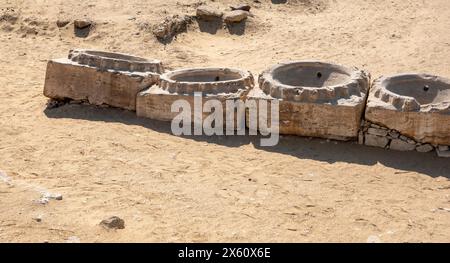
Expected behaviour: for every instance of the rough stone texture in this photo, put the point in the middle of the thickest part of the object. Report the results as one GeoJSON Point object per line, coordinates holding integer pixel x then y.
{"type": "Point", "coordinates": [379, 132]}
{"type": "Point", "coordinates": [416, 105]}
{"type": "Point", "coordinates": [315, 99]}
{"type": "Point", "coordinates": [235, 16]}
{"type": "Point", "coordinates": [214, 83]}
{"type": "Point", "coordinates": [82, 23]}
{"type": "Point", "coordinates": [444, 154]}
{"type": "Point", "coordinates": [424, 148]}
{"type": "Point", "coordinates": [244, 7]}
{"type": "Point", "coordinates": [375, 141]}
{"type": "Point", "coordinates": [100, 77]}
{"type": "Point", "coordinates": [399, 145]}
{"type": "Point", "coordinates": [171, 26]}
{"type": "Point", "coordinates": [208, 13]}
{"type": "Point", "coordinates": [113, 222]}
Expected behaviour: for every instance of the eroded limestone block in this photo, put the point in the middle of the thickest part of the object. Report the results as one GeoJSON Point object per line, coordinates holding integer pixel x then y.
{"type": "Point", "coordinates": [415, 105]}
{"type": "Point", "coordinates": [315, 99]}
{"type": "Point", "coordinates": [213, 83]}
{"type": "Point", "coordinates": [100, 77]}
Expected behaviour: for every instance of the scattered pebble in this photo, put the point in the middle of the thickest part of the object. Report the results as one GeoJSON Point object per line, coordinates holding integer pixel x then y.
{"type": "Point", "coordinates": [113, 222]}
{"type": "Point", "coordinates": [82, 23]}
{"type": "Point", "coordinates": [62, 22]}
{"type": "Point", "coordinates": [244, 7]}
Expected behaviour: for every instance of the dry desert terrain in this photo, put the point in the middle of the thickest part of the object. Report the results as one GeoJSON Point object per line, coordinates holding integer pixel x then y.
{"type": "Point", "coordinates": [108, 162]}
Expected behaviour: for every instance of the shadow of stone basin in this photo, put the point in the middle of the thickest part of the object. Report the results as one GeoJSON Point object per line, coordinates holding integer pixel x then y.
{"type": "Point", "coordinates": [416, 105]}
{"type": "Point", "coordinates": [315, 98]}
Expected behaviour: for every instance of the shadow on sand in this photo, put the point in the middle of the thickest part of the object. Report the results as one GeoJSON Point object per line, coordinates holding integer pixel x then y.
{"type": "Point", "coordinates": [300, 147]}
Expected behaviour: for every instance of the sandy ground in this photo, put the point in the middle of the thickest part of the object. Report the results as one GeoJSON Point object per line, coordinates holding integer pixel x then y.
{"type": "Point", "coordinates": [108, 162]}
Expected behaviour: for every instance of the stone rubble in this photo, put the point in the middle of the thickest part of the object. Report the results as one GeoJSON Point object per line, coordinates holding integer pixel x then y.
{"type": "Point", "coordinates": [375, 135]}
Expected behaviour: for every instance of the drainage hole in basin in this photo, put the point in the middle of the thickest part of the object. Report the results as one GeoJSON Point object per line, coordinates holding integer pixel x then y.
{"type": "Point", "coordinates": [217, 78]}
{"type": "Point", "coordinates": [319, 75]}
{"type": "Point", "coordinates": [426, 88]}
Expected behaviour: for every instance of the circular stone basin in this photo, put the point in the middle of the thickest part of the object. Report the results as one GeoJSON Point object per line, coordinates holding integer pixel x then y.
{"type": "Point", "coordinates": [414, 90]}
{"type": "Point", "coordinates": [115, 61]}
{"type": "Point", "coordinates": [313, 81]}
{"type": "Point", "coordinates": [206, 80]}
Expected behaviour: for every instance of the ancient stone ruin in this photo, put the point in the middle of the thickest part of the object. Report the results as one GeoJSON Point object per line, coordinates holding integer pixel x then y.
{"type": "Point", "coordinates": [315, 99]}
{"type": "Point", "coordinates": [214, 83]}
{"type": "Point", "coordinates": [402, 112]}
{"type": "Point", "coordinates": [415, 106]}
{"type": "Point", "coordinates": [100, 77]}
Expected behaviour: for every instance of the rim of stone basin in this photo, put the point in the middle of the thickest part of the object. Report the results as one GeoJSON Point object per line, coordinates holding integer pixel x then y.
{"type": "Point", "coordinates": [207, 80]}
{"type": "Point", "coordinates": [422, 92]}
{"type": "Point", "coordinates": [322, 81]}
{"type": "Point", "coordinates": [115, 61]}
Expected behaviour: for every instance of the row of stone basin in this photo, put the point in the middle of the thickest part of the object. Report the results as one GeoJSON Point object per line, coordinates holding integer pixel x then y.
{"type": "Point", "coordinates": [316, 99]}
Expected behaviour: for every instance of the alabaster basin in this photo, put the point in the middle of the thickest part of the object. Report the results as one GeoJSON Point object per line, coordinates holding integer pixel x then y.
{"type": "Point", "coordinates": [416, 105]}
{"type": "Point", "coordinates": [315, 98]}
{"type": "Point", "coordinates": [221, 84]}
{"type": "Point", "coordinates": [100, 77]}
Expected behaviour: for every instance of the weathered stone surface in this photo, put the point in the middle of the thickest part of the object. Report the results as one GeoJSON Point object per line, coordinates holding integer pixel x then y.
{"type": "Point", "coordinates": [394, 134]}
{"type": "Point", "coordinates": [100, 77]}
{"type": "Point", "coordinates": [416, 105]}
{"type": "Point", "coordinates": [443, 148]}
{"type": "Point", "coordinates": [361, 137]}
{"type": "Point", "coordinates": [400, 145]}
{"type": "Point", "coordinates": [315, 99]}
{"type": "Point", "coordinates": [376, 141]}
{"type": "Point", "coordinates": [424, 148]}
{"type": "Point", "coordinates": [444, 154]}
{"type": "Point", "coordinates": [379, 132]}
{"type": "Point", "coordinates": [171, 26]}
{"type": "Point", "coordinates": [214, 83]}
{"type": "Point", "coordinates": [113, 222]}
{"type": "Point", "coordinates": [82, 23]}
{"type": "Point", "coordinates": [244, 7]}
{"type": "Point", "coordinates": [208, 13]}
{"type": "Point", "coordinates": [235, 16]}
{"type": "Point", "coordinates": [62, 22]}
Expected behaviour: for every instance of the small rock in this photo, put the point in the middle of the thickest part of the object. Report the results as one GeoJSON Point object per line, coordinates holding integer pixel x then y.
{"type": "Point", "coordinates": [235, 16]}
{"type": "Point", "coordinates": [113, 222]}
{"type": "Point", "coordinates": [394, 134]}
{"type": "Point", "coordinates": [424, 148]}
{"type": "Point", "coordinates": [376, 131]}
{"type": "Point", "coordinates": [376, 141]}
{"type": "Point", "coordinates": [62, 22]}
{"type": "Point", "coordinates": [403, 138]}
{"type": "Point", "coordinates": [38, 218]}
{"type": "Point", "coordinates": [443, 154]}
{"type": "Point", "coordinates": [54, 196]}
{"type": "Point", "coordinates": [243, 7]}
{"type": "Point", "coordinates": [400, 145]}
{"type": "Point", "coordinates": [82, 23]}
{"type": "Point", "coordinates": [443, 148]}
{"type": "Point", "coordinates": [208, 13]}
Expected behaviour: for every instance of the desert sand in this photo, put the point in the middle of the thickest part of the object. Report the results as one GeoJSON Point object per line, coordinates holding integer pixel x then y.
{"type": "Point", "coordinates": [108, 162]}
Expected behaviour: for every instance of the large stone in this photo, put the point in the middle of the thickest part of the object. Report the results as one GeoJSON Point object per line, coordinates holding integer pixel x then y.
{"type": "Point", "coordinates": [100, 77]}
{"type": "Point", "coordinates": [400, 145]}
{"type": "Point", "coordinates": [424, 148]}
{"type": "Point", "coordinates": [416, 105]}
{"type": "Point", "coordinates": [375, 141]}
{"type": "Point", "coordinates": [315, 99]}
{"type": "Point", "coordinates": [235, 16]}
{"type": "Point", "coordinates": [222, 84]}
{"type": "Point", "coordinates": [208, 13]}
{"type": "Point", "coordinates": [379, 132]}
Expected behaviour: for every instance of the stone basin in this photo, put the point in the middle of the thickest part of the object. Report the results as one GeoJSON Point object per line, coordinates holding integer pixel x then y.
{"type": "Point", "coordinates": [315, 98]}
{"type": "Point", "coordinates": [416, 105]}
{"type": "Point", "coordinates": [213, 83]}
{"type": "Point", "coordinates": [100, 77]}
